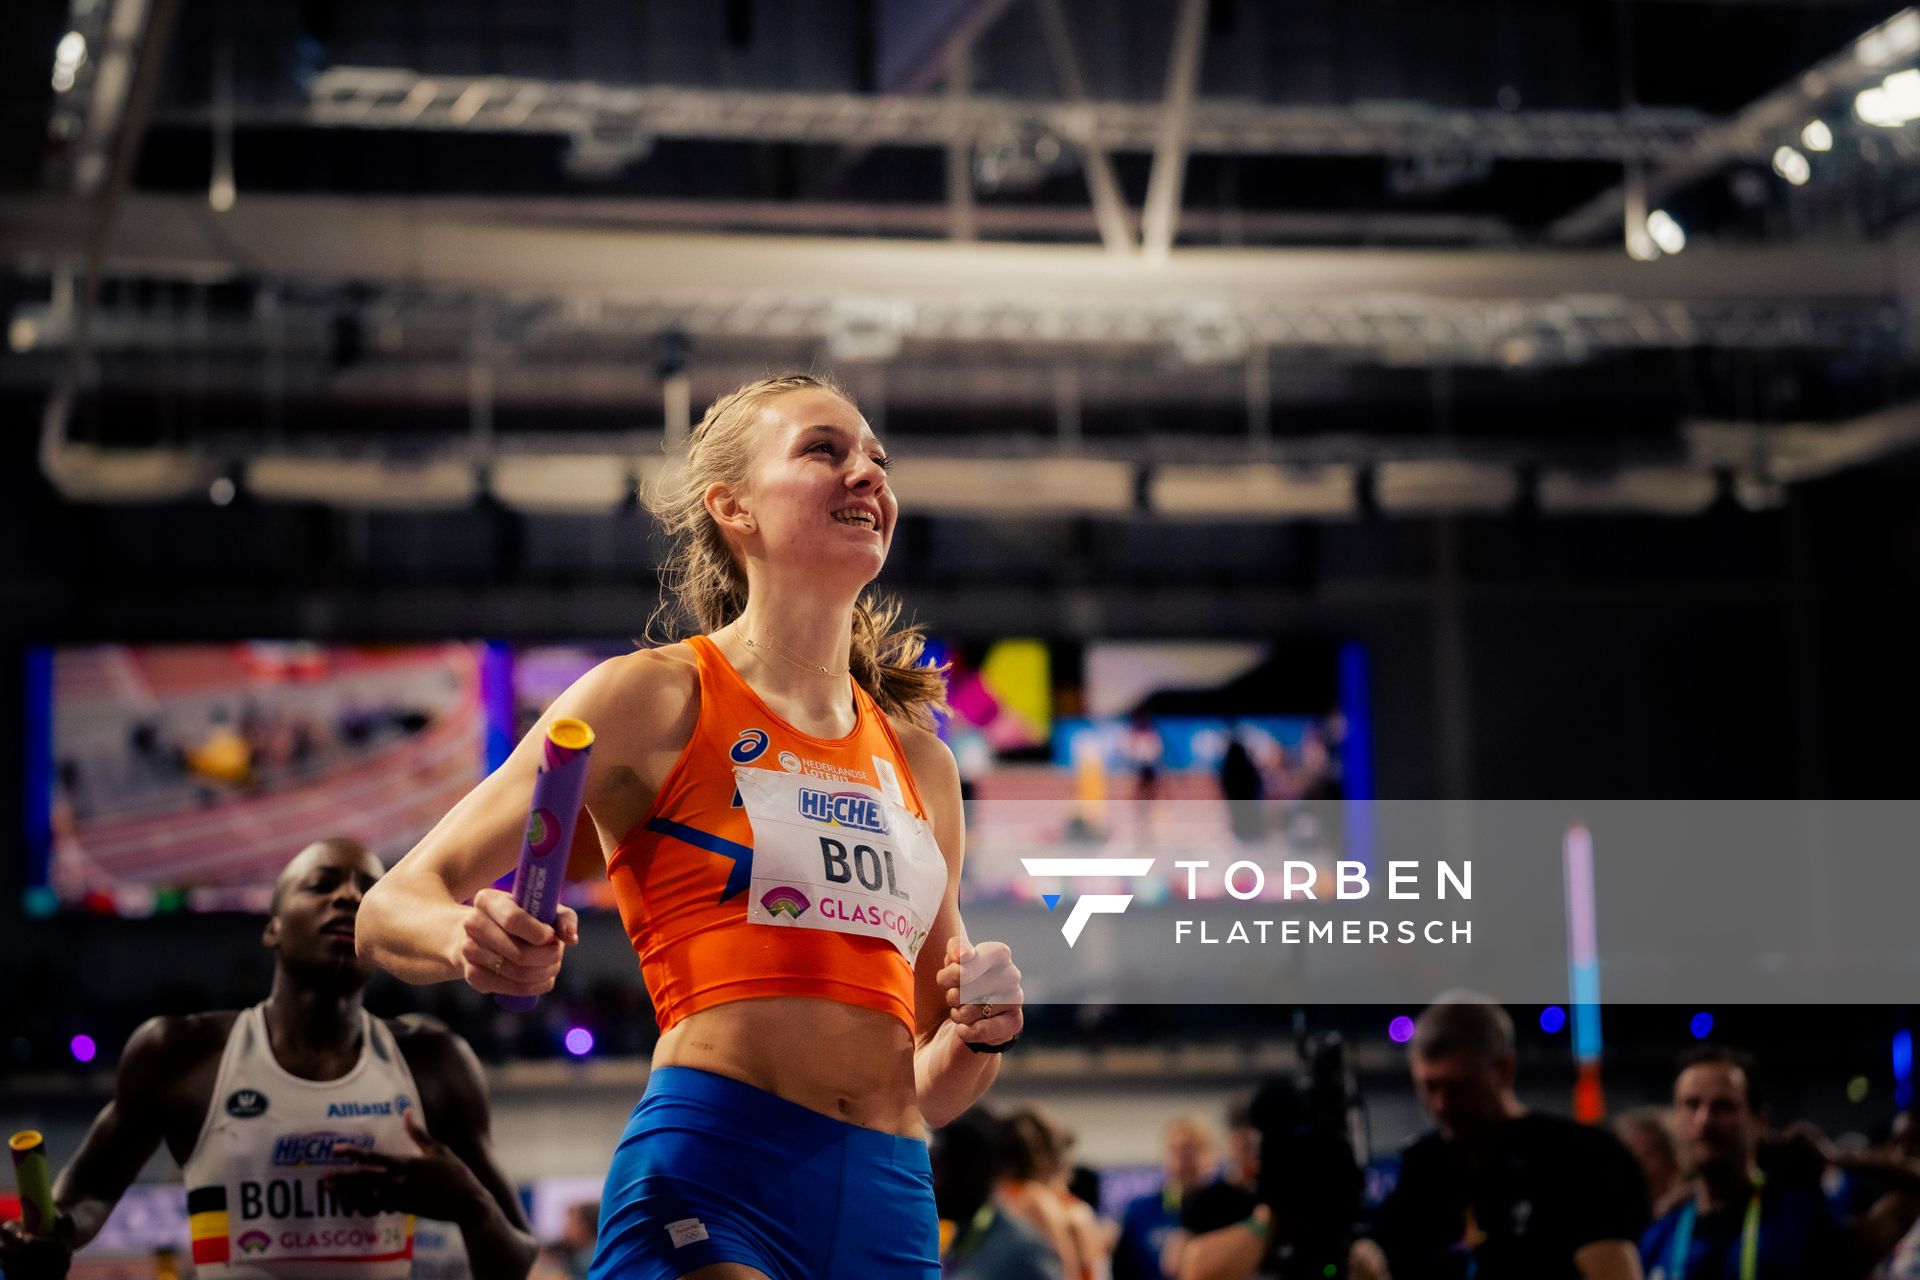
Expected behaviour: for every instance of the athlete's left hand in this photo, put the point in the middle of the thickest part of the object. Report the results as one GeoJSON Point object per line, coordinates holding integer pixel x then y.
{"type": "Point", "coordinates": [982, 986]}
{"type": "Point", "coordinates": [434, 1184]}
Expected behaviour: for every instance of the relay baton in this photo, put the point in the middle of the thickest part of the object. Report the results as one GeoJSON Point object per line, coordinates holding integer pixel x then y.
{"type": "Point", "coordinates": [558, 790]}
{"type": "Point", "coordinates": [30, 1177]}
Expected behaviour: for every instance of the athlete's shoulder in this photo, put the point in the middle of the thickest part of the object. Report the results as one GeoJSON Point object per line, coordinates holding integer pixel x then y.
{"type": "Point", "coordinates": [177, 1043]}
{"type": "Point", "coordinates": [452, 1084]}
{"type": "Point", "coordinates": [424, 1038]}
{"type": "Point", "coordinates": [646, 692]}
{"type": "Point", "coordinates": [655, 678]}
{"type": "Point", "coordinates": [172, 1060]}
{"type": "Point", "coordinates": [432, 1048]}
{"type": "Point", "coordinates": [646, 674]}
{"type": "Point", "coordinates": [930, 758]}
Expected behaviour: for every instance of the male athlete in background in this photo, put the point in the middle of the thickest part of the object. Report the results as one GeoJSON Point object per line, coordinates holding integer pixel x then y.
{"type": "Point", "coordinates": [300, 1125]}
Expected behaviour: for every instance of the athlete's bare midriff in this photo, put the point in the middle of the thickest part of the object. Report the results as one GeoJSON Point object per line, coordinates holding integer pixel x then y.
{"type": "Point", "coordinates": [840, 1060]}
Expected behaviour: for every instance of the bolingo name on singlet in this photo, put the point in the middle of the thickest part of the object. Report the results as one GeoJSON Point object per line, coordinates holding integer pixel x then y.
{"type": "Point", "coordinates": [291, 1198]}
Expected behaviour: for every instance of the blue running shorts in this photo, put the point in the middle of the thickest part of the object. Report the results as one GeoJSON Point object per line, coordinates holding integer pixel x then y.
{"type": "Point", "coordinates": [711, 1170]}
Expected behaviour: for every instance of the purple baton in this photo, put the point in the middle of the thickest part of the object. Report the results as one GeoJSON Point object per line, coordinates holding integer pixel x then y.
{"type": "Point", "coordinates": [557, 792]}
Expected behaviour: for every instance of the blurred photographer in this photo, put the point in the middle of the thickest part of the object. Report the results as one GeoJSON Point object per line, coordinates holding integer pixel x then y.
{"type": "Point", "coordinates": [1499, 1192]}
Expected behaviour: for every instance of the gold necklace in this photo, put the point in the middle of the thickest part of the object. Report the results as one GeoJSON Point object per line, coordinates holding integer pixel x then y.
{"type": "Point", "coordinates": [777, 651]}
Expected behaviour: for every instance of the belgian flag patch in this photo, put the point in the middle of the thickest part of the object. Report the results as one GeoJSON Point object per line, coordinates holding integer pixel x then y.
{"type": "Point", "coordinates": [207, 1220]}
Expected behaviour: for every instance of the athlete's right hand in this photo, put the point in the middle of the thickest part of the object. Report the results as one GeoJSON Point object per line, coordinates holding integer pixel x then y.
{"type": "Point", "coordinates": [502, 950]}
{"type": "Point", "coordinates": [25, 1257]}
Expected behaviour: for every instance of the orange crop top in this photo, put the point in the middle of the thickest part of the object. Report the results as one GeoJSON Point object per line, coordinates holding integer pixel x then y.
{"type": "Point", "coordinates": [682, 876]}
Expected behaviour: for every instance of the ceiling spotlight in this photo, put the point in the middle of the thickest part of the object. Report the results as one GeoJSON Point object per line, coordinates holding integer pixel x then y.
{"type": "Point", "coordinates": [1871, 105]}
{"type": "Point", "coordinates": [67, 57]}
{"type": "Point", "coordinates": [1897, 36]}
{"type": "Point", "coordinates": [1792, 166]}
{"type": "Point", "coordinates": [71, 51]}
{"type": "Point", "coordinates": [1665, 232]}
{"type": "Point", "coordinates": [1903, 93]}
{"type": "Point", "coordinates": [1817, 136]}
{"type": "Point", "coordinates": [1891, 103]}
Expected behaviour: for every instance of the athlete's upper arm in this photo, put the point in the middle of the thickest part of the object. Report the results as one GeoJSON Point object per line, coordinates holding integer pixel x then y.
{"type": "Point", "coordinates": [634, 704]}
{"type": "Point", "coordinates": [124, 1136]}
{"type": "Point", "coordinates": [453, 1095]}
{"type": "Point", "coordinates": [938, 779]}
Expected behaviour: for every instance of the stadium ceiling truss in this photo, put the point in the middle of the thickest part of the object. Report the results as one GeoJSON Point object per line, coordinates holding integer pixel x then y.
{"type": "Point", "coordinates": [1384, 328]}
{"type": "Point", "coordinates": [611, 121]}
{"type": "Point", "coordinates": [431, 282]}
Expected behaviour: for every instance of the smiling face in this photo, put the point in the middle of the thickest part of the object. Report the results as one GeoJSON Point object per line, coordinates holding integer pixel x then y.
{"type": "Point", "coordinates": [817, 493]}
{"type": "Point", "coordinates": [316, 901]}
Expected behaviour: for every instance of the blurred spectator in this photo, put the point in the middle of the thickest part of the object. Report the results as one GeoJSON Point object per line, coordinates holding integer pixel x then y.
{"type": "Point", "coordinates": [1144, 754]}
{"type": "Point", "coordinates": [1241, 787]}
{"type": "Point", "coordinates": [1033, 1187]}
{"type": "Point", "coordinates": [1102, 1233]}
{"type": "Point", "coordinates": [1319, 772]}
{"type": "Point", "coordinates": [1499, 1192]}
{"type": "Point", "coordinates": [1743, 1219]}
{"type": "Point", "coordinates": [1648, 1133]}
{"type": "Point", "coordinates": [986, 1241]}
{"type": "Point", "coordinates": [1188, 1157]}
{"type": "Point", "coordinates": [1216, 1208]}
{"type": "Point", "coordinates": [577, 1237]}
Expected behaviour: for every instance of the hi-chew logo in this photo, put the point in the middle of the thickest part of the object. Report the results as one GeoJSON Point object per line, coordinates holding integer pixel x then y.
{"type": "Point", "coordinates": [324, 1148]}
{"type": "Point", "coordinates": [785, 900]}
{"type": "Point", "coordinates": [749, 746]}
{"type": "Point", "coordinates": [1088, 904]}
{"type": "Point", "coordinates": [843, 809]}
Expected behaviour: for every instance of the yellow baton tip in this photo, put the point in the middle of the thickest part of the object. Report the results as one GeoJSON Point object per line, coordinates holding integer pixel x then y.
{"type": "Point", "coordinates": [574, 735]}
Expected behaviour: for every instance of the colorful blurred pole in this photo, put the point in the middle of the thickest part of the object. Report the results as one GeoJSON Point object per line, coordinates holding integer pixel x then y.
{"type": "Point", "coordinates": [30, 1178]}
{"type": "Point", "coordinates": [1583, 972]}
{"type": "Point", "coordinates": [558, 790]}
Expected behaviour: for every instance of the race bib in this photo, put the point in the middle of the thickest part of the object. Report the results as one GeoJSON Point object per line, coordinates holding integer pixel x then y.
{"type": "Point", "coordinates": [840, 856]}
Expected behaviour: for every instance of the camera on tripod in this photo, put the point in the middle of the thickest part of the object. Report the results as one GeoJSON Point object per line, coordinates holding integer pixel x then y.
{"type": "Point", "coordinates": [1313, 1148]}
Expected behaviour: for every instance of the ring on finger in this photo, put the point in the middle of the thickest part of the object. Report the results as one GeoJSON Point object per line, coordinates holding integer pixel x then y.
{"type": "Point", "coordinates": [986, 1008]}
{"type": "Point", "coordinates": [499, 963]}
